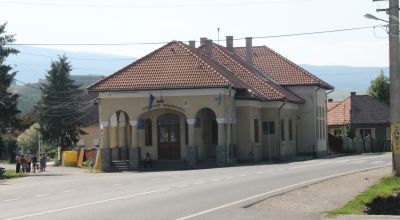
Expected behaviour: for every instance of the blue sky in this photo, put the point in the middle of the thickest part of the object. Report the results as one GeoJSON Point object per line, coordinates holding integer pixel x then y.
{"type": "Point", "coordinates": [123, 21]}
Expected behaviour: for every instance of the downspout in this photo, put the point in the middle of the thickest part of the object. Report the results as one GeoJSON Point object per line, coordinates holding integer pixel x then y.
{"type": "Point", "coordinates": [228, 141]}
{"type": "Point", "coordinates": [326, 120]}
{"type": "Point", "coordinates": [280, 128]}
{"type": "Point", "coordinates": [315, 122]}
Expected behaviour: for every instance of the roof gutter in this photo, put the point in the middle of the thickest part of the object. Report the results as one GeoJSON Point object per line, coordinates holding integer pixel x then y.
{"type": "Point", "coordinates": [280, 128]}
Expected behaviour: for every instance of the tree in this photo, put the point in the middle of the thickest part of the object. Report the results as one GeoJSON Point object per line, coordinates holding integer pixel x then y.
{"type": "Point", "coordinates": [28, 141]}
{"type": "Point", "coordinates": [60, 109]}
{"type": "Point", "coordinates": [8, 101]}
{"type": "Point", "coordinates": [380, 88]}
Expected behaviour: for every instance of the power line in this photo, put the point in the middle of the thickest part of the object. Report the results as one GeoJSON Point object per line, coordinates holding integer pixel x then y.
{"type": "Point", "coordinates": [75, 58]}
{"type": "Point", "coordinates": [155, 6]}
{"type": "Point", "coordinates": [165, 42]}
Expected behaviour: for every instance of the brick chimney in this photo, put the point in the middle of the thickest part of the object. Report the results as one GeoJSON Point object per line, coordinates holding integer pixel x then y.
{"type": "Point", "coordinates": [203, 41]}
{"type": "Point", "coordinates": [229, 43]}
{"type": "Point", "coordinates": [249, 50]}
{"type": "Point", "coordinates": [192, 43]}
{"type": "Point", "coordinates": [209, 48]}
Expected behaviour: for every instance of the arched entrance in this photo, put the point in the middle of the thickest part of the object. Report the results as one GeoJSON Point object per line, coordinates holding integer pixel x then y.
{"type": "Point", "coordinates": [169, 141]}
{"type": "Point", "coordinates": [209, 132]}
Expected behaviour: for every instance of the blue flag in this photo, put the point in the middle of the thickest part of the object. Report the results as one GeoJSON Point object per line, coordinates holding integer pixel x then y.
{"type": "Point", "coordinates": [151, 100]}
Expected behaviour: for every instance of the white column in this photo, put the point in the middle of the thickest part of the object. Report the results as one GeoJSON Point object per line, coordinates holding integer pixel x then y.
{"type": "Point", "coordinates": [191, 136]}
{"type": "Point", "coordinates": [104, 135]}
{"type": "Point", "coordinates": [221, 131]}
{"type": "Point", "coordinates": [134, 124]}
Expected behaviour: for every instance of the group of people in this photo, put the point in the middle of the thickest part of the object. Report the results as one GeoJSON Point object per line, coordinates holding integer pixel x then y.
{"type": "Point", "coordinates": [27, 163]}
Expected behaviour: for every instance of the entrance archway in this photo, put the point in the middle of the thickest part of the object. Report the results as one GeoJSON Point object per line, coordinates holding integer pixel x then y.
{"type": "Point", "coordinates": [169, 141]}
{"type": "Point", "coordinates": [209, 132]}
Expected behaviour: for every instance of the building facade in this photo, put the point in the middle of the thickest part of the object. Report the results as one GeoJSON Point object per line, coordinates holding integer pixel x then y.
{"type": "Point", "coordinates": [211, 102]}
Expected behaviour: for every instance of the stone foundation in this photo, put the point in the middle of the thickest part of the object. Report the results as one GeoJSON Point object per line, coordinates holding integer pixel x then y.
{"type": "Point", "coordinates": [105, 159]}
{"type": "Point", "coordinates": [134, 158]}
{"type": "Point", "coordinates": [191, 155]}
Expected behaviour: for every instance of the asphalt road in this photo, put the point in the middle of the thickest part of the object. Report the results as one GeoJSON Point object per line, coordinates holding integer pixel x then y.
{"type": "Point", "coordinates": [194, 194]}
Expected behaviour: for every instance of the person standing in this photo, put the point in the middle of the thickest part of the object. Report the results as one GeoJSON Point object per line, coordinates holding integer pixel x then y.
{"type": "Point", "coordinates": [28, 159]}
{"type": "Point", "coordinates": [43, 163]}
{"type": "Point", "coordinates": [23, 163]}
{"type": "Point", "coordinates": [18, 163]}
{"type": "Point", "coordinates": [34, 162]}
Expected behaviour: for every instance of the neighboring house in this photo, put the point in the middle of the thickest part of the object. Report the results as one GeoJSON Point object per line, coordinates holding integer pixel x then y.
{"type": "Point", "coordinates": [91, 124]}
{"type": "Point", "coordinates": [186, 103]}
{"type": "Point", "coordinates": [364, 115]}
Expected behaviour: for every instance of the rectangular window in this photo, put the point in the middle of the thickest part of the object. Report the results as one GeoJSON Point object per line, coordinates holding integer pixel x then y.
{"type": "Point", "coordinates": [148, 136]}
{"type": "Point", "coordinates": [269, 127]}
{"type": "Point", "coordinates": [282, 130]}
{"type": "Point", "coordinates": [256, 130]}
{"type": "Point", "coordinates": [290, 129]}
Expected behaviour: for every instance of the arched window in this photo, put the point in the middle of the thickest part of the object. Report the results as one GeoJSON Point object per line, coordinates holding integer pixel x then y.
{"type": "Point", "coordinates": [148, 132]}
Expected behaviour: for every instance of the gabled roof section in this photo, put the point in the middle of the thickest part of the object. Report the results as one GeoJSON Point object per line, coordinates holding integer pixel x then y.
{"type": "Point", "coordinates": [174, 65]}
{"type": "Point", "coordinates": [280, 69]}
{"type": "Point", "coordinates": [253, 79]}
{"type": "Point", "coordinates": [339, 112]}
{"type": "Point", "coordinates": [358, 109]}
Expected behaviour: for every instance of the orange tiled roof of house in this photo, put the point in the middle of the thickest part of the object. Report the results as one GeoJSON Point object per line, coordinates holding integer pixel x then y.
{"type": "Point", "coordinates": [177, 65]}
{"type": "Point", "coordinates": [280, 69]}
{"type": "Point", "coordinates": [358, 109]}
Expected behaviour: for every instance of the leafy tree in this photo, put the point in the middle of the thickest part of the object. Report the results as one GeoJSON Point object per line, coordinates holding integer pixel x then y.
{"type": "Point", "coordinates": [60, 108]}
{"type": "Point", "coordinates": [380, 88]}
{"type": "Point", "coordinates": [28, 141]}
{"type": "Point", "coordinates": [8, 101]}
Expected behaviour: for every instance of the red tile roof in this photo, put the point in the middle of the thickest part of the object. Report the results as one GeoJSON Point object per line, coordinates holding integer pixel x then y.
{"type": "Point", "coordinates": [358, 109]}
{"type": "Point", "coordinates": [280, 69]}
{"type": "Point", "coordinates": [171, 66]}
{"type": "Point", "coordinates": [177, 65]}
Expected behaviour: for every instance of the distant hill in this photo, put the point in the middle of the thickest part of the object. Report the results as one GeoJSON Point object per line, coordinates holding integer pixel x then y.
{"type": "Point", "coordinates": [346, 79]}
{"type": "Point", "coordinates": [32, 63]}
{"type": "Point", "coordinates": [30, 94]}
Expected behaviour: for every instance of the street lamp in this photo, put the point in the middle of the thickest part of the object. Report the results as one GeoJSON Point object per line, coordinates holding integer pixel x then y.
{"type": "Point", "coordinates": [369, 16]}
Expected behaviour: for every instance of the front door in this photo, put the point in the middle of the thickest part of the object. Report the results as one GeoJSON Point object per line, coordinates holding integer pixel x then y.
{"type": "Point", "coordinates": [169, 144]}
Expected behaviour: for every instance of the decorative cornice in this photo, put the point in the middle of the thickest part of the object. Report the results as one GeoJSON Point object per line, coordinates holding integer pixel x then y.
{"type": "Point", "coordinates": [191, 121]}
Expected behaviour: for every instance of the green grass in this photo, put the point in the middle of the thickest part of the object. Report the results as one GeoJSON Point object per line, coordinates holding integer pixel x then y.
{"type": "Point", "coordinates": [385, 187]}
{"type": "Point", "coordinates": [10, 174]}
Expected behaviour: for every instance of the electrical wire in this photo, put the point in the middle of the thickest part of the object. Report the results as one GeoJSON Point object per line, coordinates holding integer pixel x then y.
{"type": "Point", "coordinates": [165, 42]}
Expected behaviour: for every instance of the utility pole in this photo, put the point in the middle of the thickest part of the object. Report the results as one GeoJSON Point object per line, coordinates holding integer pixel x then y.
{"type": "Point", "coordinates": [393, 12]}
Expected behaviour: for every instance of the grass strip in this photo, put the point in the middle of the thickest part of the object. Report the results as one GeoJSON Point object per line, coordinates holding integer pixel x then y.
{"type": "Point", "coordinates": [385, 187]}
{"type": "Point", "coordinates": [10, 174]}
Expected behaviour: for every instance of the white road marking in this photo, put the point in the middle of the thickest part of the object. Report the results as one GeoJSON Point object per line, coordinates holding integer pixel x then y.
{"type": "Point", "coordinates": [341, 161]}
{"type": "Point", "coordinates": [153, 179]}
{"type": "Point", "coordinates": [71, 190]}
{"type": "Point", "coordinates": [198, 183]}
{"type": "Point", "coordinates": [41, 195]}
{"type": "Point", "coordinates": [243, 175]}
{"type": "Point", "coordinates": [10, 200]}
{"type": "Point", "coordinates": [275, 191]}
{"type": "Point", "coordinates": [229, 177]}
{"type": "Point", "coordinates": [116, 184]}
{"type": "Point", "coordinates": [259, 172]}
{"type": "Point", "coordinates": [88, 204]}
{"type": "Point", "coordinates": [182, 186]}
{"type": "Point", "coordinates": [175, 176]}
{"type": "Point", "coordinates": [358, 161]}
{"type": "Point", "coordinates": [376, 162]}
{"type": "Point", "coordinates": [215, 180]}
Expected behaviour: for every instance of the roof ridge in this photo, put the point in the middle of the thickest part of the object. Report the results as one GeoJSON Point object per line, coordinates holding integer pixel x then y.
{"type": "Point", "coordinates": [192, 52]}
{"type": "Point", "coordinates": [252, 74]}
{"type": "Point", "coordinates": [340, 102]}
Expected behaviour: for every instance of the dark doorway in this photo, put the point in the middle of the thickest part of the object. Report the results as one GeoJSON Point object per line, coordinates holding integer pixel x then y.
{"type": "Point", "coordinates": [169, 141]}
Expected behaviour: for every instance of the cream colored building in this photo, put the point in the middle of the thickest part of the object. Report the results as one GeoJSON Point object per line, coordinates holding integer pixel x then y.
{"type": "Point", "coordinates": [186, 103]}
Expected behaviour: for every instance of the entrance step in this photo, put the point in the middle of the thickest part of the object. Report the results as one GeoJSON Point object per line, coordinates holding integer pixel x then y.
{"type": "Point", "coordinates": [207, 163]}
{"type": "Point", "coordinates": [120, 165]}
{"type": "Point", "coordinates": [168, 165]}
